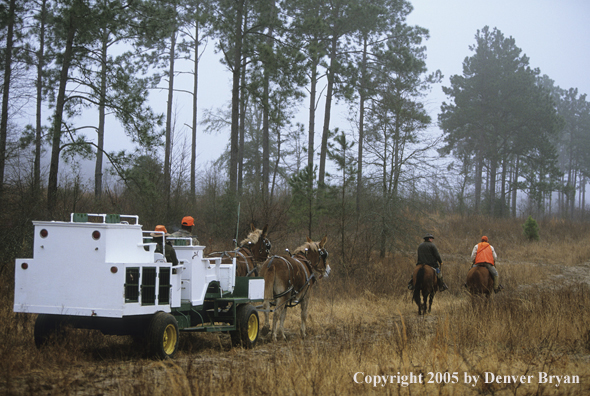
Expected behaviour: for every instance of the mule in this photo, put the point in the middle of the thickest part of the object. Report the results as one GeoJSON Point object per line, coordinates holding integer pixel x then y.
{"type": "Point", "coordinates": [479, 281]}
{"type": "Point", "coordinates": [288, 280]}
{"type": "Point", "coordinates": [425, 282]}
{"type": "Point", "coordinates": [252, 251]}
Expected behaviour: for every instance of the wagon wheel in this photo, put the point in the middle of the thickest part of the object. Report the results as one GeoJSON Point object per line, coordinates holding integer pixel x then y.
{"type": "Point", "coordinates": [247, 327]}
{"type": "Point", "coordinates": [47, 326]}
{"type": "Point", "coordinates": [162, 335]}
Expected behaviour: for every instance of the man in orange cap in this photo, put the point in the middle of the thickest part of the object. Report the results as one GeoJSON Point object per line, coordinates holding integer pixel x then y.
{"type": "Point", "coordinates": [168, 250]}
{"type": "Point", "coordinates": [484, 254]}
{"type": "Point", "coordinates": [186, 231]}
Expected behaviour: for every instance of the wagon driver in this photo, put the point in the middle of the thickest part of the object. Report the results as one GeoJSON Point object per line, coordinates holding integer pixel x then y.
{"type": "Point", "coordinates": [169, 251]}
{"type": "Point", "coordinates": [428, 254]}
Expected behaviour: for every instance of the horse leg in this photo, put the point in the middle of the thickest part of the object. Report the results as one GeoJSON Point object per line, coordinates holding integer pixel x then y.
{"type": "Point", "coordinates": [304, 304]}
{"type": "Point", "coordinates": [430, 301]}
{"type": "Point", "coordinates": [265, 309]}
{"type": "Point", "coordinates": [276, 317]}
{"type": "Point", "coordinates": [282, 318]}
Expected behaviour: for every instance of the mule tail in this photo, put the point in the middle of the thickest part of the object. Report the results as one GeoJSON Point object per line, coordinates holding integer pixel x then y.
{"type": "Point", "coordinates": [269, 281]}
{"type": "Point", "coordinates": [418, 285]}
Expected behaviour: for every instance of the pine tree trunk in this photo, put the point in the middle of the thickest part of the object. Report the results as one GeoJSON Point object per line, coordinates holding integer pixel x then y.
{"type": "Point", "coordinates": [478, 181]}
{"type": "Point", "coordinates": [101, 120]}
{"type": "Point", "coordinates": [326, 129]}
{"type": "Point", "coordinates": [5, 91]}
{"type": "Point", "coordinates": [168, 143]}
{"type": "Point", "coordinates": [57, 120]}
{"type": "Point", "coordinates": [312, 109]}
{"type": "Point", "coordinates": [235, 113]}
{"type": "Point", "coordinates": [362, 97]}
{"type": "Point", "coordinates": [266, 108]}
{"type": "Point", "coordinates": [38, 115]}
{"type": "Point", "coordinates": [195, 109]}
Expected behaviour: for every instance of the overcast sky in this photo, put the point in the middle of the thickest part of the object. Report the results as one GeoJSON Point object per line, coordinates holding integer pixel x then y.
{"type": "Point", "coordinates": [555, 35]}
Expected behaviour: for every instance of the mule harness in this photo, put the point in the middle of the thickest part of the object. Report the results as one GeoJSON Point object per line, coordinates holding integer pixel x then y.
{"type": "Point", "coordinates": [309, 278]}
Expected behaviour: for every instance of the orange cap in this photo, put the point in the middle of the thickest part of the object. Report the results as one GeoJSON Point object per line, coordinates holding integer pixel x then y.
{"type": "Point", "coordinates": [484, 238]}
{"type": "Point", "coordinates": [188, 221]}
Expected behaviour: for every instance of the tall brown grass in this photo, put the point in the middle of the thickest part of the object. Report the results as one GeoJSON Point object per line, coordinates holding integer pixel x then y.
{"type": "Point", "coordinates": [361, 323]}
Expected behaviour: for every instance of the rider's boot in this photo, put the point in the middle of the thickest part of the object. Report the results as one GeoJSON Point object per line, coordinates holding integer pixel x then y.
{"type": "Point", "coordinates": [497, 286]}
{"type": "Point", "coordinates": [442, 286]}
{"type": "Point", "coordinates": [411, 283]}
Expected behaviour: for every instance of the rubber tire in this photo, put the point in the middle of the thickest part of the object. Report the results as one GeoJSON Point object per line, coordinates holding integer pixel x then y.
{"type": "Point", "coordinates": [163, 335]}
{"type": "Point", "coordinates": [247, 327]}
{"type": "Point", "coordinates": [46, 326]}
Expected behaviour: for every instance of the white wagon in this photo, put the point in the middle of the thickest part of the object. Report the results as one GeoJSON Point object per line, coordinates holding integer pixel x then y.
{"type": "Point", "coordinates": [101, 271]}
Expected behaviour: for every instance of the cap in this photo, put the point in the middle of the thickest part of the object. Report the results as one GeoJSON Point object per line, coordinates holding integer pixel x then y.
{"type": "Point", "coordinates": [188, 221]}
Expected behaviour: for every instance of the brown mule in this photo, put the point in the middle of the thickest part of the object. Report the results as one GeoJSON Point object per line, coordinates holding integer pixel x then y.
{"type": "Point", "coordinates": [426, 282]}
{"type": "Point", "coordinates": [479, 281]}
{"type": "Point", "coordinates": [288, 280]}
{"type": "Point", "coordinates": [253, 250]}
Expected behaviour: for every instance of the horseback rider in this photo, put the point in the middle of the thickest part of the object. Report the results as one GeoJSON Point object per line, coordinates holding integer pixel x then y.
{"type": "Point", "coordinates": [483, 254]}
{"type": "Point", "coordinates": [428, 254]}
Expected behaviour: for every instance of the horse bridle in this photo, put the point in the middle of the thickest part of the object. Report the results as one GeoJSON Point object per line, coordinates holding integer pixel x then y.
{"type": "Point", "coordinates": [264, 249]}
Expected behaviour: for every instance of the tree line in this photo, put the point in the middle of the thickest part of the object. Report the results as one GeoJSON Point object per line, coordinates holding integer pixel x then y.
{"type": "Point", "coordinates": [506, 128]}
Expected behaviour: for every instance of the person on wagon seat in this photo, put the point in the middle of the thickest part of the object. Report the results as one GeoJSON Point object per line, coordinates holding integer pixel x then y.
{"type": "Point", "coordinates": [484, 254]}
{"type": "Point", "coordinates": [186, 231]}
{"type": "Point", "coordinates": [428, 254]}
{"type": "Point", "coordinates": [170, 253]}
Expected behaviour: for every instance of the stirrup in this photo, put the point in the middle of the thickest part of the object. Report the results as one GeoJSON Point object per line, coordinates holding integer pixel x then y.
{"type": "Point", "coordinates": [410, 286]}
{"type": "Point", "coordinates": [443, 287]}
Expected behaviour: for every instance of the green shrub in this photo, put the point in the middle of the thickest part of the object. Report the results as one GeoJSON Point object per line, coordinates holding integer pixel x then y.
{"type": "Point", "coordinates": [531, 229]}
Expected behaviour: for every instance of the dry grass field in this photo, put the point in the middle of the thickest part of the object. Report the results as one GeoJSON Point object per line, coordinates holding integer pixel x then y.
{"type": "Point", "coordinates": [364, 334]}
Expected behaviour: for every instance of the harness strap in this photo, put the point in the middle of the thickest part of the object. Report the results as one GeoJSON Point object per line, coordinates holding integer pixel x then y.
{"type": "Point", "coordinates": [290, 268]}
{"type": "Point", "coordinates": [309, 277]}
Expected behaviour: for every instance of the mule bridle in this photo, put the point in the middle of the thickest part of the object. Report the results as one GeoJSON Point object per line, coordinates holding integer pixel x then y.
{"type": "Point", "coordinates": [263, 250]}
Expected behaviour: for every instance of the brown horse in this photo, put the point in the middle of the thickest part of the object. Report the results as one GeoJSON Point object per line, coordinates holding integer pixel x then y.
{"type": "Point", "coordinates": [479, 281]}
{"type": "Point", "coordinates": [253, 250]}
{"type": "Point", "coordinates": [426, 282]}
{"type": "Point", "coordinates": [288, 280]}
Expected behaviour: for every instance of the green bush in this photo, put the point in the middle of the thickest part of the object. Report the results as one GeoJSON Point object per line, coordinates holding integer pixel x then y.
{"type": "Point", "coordinates": [531, 229]}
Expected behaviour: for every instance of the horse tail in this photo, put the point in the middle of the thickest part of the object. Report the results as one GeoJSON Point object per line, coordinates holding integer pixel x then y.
{"type": "Point", "coordinates": [418, 285]}
{"type": "Point", "coordinates": [269, 274]}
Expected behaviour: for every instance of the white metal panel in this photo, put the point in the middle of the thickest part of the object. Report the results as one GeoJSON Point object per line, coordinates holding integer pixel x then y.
{"type": "Point", "coordinates": [73, 241]}
{"type": "Point", "coordinates": [124, 244]}
{"type": "Point", "coordinates": [176, 285]}
{"type": "Point", "coordinates": [82, 287]}
{"type": "Point", "coordinates": [256, 289]}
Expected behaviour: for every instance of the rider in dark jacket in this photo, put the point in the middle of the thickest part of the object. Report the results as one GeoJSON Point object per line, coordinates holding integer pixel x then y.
{"type": "Point", "coordinates": [428, 254]}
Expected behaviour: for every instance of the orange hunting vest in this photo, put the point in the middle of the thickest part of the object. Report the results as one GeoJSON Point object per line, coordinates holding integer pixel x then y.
{"type": "Point", "coordinates": [484, 253]}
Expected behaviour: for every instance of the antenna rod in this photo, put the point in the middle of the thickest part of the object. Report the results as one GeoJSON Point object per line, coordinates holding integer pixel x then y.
{"type": "Point", "coordinates": [237, 227]}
